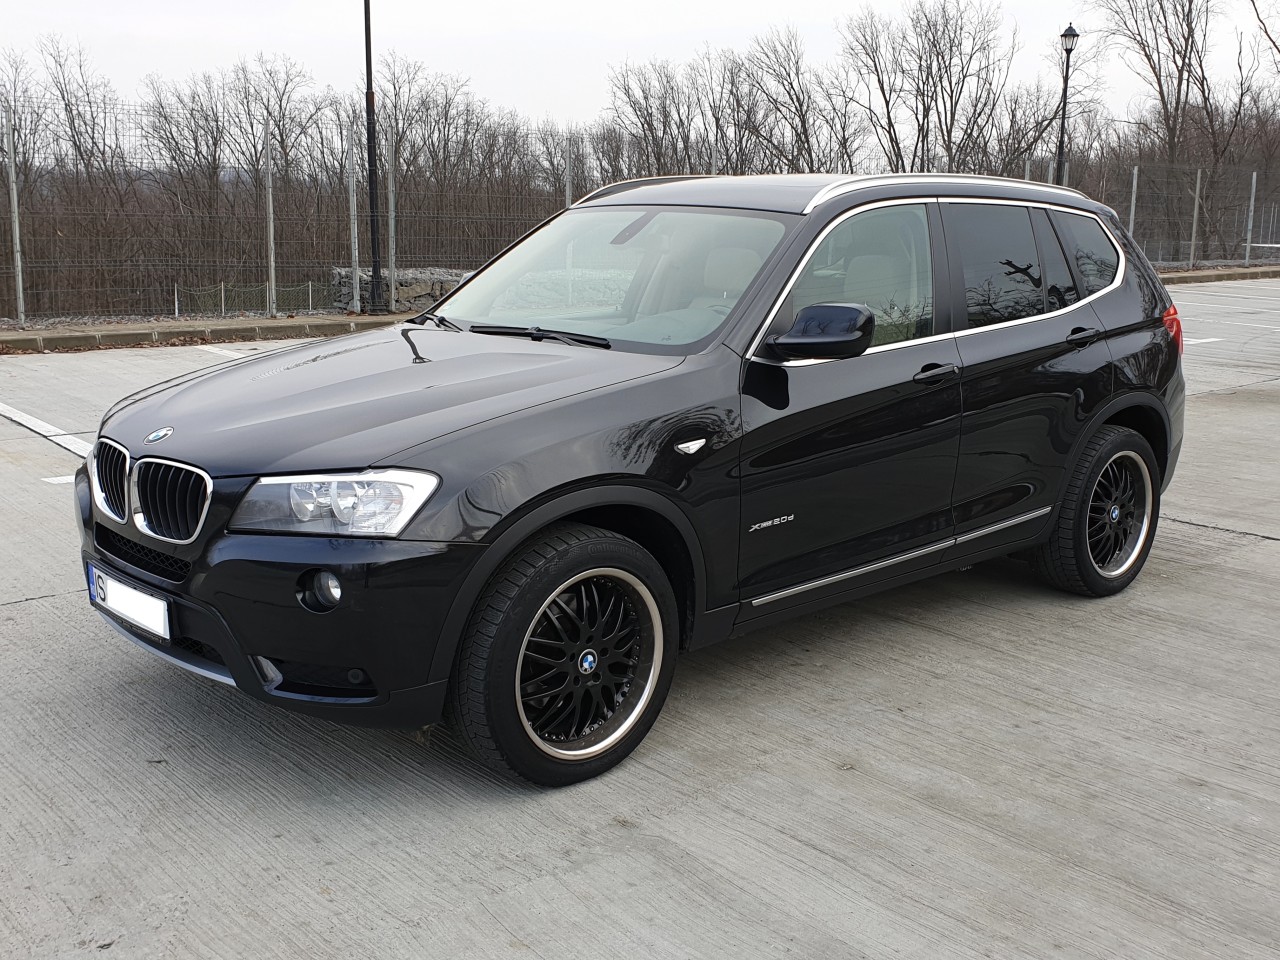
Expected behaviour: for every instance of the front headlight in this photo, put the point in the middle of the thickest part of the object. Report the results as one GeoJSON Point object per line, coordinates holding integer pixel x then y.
{"type": "Point", "coordinates": [375, 503]}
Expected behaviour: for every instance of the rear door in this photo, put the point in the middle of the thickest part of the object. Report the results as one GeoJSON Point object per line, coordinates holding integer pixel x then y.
{"type": "Point", "coordinates": [847, 466]}
{"type": "Point", "coordinates": [1036, 367]}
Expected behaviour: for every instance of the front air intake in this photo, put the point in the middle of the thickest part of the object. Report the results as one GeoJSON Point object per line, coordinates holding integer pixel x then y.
{"type": "Point", "coordinates": [169, 499]}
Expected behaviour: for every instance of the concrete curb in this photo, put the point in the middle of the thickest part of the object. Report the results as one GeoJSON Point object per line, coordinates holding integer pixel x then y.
{"type": "Point", "coordinates": [82, 339]}
{"type": "Point", "coordinates": [1210, 276]}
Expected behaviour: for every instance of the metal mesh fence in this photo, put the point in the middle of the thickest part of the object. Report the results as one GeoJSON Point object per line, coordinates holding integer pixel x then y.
{"type": "Point", "coordinates": [235, 299]}
{"type": "Point", "coordinates": [118, 207]}
{"type": "Point", "coordinates": [121, 205]}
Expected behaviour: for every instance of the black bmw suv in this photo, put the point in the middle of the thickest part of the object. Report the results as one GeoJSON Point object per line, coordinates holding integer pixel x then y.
{"type": "Point", "coordinates": [683, 409]}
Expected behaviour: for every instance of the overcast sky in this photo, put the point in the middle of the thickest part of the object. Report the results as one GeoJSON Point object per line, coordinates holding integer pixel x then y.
{"type": "Point", "coordinates": [548, 59]}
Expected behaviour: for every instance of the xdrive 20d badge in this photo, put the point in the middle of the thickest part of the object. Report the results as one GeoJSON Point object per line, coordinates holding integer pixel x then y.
{"type": "Point", "coordinates": [681, 410]}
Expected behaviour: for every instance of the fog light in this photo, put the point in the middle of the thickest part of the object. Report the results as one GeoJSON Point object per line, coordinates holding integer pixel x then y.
{"type": "Point", "coordinates": [328, 588]}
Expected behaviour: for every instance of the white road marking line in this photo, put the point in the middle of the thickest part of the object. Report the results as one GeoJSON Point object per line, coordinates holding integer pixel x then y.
{"type": "Point", "coordinates": [1223, 295]}
{"type": "Point", "coordinates": [219, 351]}
{"type": "Point", "coordinates": [47, 430]}
{"type": "Point", "coordinates": [1254, 307]}
{"type": "Point", "coordinates": [1234, 323]}
{"type": "Point", "coordinates": [1202, 340]}
{"type": "Point", "coordinates": [59, 479]}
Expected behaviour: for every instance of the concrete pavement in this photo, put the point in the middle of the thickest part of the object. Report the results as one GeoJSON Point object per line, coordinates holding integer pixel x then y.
{"type": "Point", "coordinates": [972, 766]}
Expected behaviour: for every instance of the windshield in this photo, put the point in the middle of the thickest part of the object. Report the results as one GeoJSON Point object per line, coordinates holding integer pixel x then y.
{"type": "Point", "coordinates": [657, 278]}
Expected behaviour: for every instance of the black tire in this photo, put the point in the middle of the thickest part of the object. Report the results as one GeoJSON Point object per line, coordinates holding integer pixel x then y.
{"type": "Point", "coordinates": [527, 620]}
{"type": "Point", "coordinates": [1102, 536]}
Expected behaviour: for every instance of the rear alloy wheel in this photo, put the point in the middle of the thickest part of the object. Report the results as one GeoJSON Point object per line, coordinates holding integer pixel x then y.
{"type": "Point", "coordinates": [568, 656]}
{"type": "Point", "coordinates": [1107, 518]}
{"type": "Point", "coordinates": [1119, 514]}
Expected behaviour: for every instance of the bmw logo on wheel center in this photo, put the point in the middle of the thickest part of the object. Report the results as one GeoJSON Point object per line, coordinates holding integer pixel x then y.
{"type": "Point", "coordinates": [155, 436]}
{"type": "Point", "coordinates": [587, 662]}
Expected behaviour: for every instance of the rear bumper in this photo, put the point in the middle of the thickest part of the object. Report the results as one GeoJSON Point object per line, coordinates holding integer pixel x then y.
{"type": "Point", "coordinates": [1176, 405]}
{"type": "Point", "coordinates": [235, 616]}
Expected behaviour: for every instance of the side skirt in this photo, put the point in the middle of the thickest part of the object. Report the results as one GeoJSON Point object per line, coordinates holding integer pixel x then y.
{"type": "Point", "coordinates": [747, 622]}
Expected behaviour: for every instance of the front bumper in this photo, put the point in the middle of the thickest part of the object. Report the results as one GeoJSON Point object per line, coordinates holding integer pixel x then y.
{"type": "Point", "coordinates": [236, 617]}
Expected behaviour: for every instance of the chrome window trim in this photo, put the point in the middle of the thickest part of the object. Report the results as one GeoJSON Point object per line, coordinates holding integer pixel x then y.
{"type": "Point", "coordinates": [140, 521]}
{"type": "Point", "coordinates": [99, 500]}
{"type": "Point", "coordinates": [900, 558]}
{"type": "Point", "coordinates": [808, 255]}
{"type": "Point", "coordinates": [851, 184]}
{"type": "Point", "coordinates": [1121, 271]}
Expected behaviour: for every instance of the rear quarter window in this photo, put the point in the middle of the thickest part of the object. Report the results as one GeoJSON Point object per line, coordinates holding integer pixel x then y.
{"type": "Point", "coordinates": [1090, 248]}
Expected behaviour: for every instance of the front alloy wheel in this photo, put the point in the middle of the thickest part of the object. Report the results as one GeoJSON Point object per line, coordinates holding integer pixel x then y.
{"type": "Point", "coordinates": [588, 663]}
{"type": "Point", "coordinates": [568, 656]}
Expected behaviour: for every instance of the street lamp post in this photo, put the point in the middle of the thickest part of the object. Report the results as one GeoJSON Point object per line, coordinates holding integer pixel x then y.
{"type": "Point", "coordinates": [1069, 38]}
{"type": "Point", "coordinates": [377, 304]}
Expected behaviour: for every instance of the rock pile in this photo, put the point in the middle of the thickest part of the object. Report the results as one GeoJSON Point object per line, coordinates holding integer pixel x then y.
{"type": "Point", "coordinates": [416, 289]}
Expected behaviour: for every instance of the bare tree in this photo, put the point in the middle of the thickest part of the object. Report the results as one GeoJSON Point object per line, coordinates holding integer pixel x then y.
{"type": "Point", "coordinates": [1164, 43]}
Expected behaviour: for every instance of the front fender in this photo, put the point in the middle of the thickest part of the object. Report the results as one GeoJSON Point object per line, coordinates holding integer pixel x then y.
{"type": "Point", "coordinates": [518, 528]}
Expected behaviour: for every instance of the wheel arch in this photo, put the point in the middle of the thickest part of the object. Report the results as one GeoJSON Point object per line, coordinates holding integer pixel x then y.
{"type": "Point", "coordinates": [1149, 421]}
{"type": "Point", "coordinates": [1139, 411]}
{"type": "Point", "coordinates": [644, 515]}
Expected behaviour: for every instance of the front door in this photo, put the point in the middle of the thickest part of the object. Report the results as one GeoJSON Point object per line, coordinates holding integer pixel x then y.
{"type": "Point", "coordinates": [847, 465]}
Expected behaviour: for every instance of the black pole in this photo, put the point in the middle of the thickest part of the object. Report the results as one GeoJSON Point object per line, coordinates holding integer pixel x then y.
{"type": "Point", "coordinates": [377, 303]}
{"type": "Point", "coordinates": [1062, 128]}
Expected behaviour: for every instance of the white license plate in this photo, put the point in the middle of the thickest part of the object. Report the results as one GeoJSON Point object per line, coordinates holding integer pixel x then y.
{"type": "Point", "coordinates": [141, 609]}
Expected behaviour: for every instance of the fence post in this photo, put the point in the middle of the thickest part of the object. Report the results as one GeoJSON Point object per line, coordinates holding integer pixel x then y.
{"type": "Point", "coordinates": [175, 299]}
{"type": "Point", "coordinates": [12, 163]}
{"type": "Point", "coordinates": [310, 308]}
{"type": "Point", "coordinates": [1195, 220]}
{"type": "Point", "coordinates": [391, 224]}
{"type": "Point", "coordinates": [1133, 198]}
{"type": "Point", "coordinates": [222, 298]}
{"type": "Point", "coordinates": [568, 171]}
{"type": "Point", "coordinates": [1066, 172]}
{"type": "Point", "coordinates": [271, 232]}
{"type": "Point", "coordinates": [1026, 169]}
{"type": "Point", "coordinates": [355, 237]}
{"type": "Point", "coordinates": [1248, 235]}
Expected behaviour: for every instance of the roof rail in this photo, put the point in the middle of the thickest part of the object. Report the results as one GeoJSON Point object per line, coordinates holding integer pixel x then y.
{"type": "Point", "coordinates": [854, 183]}
{"type": "Point", "coordinates": [608, 190]}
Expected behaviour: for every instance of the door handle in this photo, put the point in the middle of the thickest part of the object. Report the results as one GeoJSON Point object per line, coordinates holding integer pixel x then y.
{"type": "Point", "coordinates": [936, 372]}
{"type": "Point", "coordinates": [1083, 336]}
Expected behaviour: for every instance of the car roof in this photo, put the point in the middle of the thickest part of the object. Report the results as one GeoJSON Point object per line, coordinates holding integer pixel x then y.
{"type": "Point", "coordinates": [805, 192]}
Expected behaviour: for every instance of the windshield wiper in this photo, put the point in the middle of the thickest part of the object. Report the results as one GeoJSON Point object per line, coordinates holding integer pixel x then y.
{"type": "Point", "coordinates": [537, 334]}
{"type": "Point", "coordinates": [444, 323]}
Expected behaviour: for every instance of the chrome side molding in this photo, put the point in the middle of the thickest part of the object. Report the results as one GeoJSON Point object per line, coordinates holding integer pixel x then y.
{"type": "Point", "coordinates": [900, 558]}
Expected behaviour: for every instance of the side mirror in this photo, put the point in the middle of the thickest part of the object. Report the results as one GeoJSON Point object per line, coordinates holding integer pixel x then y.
{"type": "Point", "coordinates": [827, 331]}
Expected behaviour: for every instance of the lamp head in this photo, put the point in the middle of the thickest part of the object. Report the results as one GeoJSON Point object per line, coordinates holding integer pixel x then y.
{"type": "Point", "coordinates": [1069, 38]}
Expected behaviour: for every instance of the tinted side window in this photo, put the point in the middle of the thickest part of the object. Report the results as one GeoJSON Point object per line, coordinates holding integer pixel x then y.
{"type": "Point", "coordinates": [1059, 286]}
{"type": "Point", "coordinates": [997, 251]}
{"type": "Point", "coordinates": [880, 259]}
{"type": "Point", "coordinates": [1088, 244]}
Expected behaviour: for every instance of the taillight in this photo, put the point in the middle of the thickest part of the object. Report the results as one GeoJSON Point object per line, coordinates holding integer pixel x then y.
{"type": "Point", "coordinates": [1174, 325]}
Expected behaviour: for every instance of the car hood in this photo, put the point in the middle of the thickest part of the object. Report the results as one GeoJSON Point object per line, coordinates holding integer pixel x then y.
{"type": "Point", "coordinates": [350, 402]}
